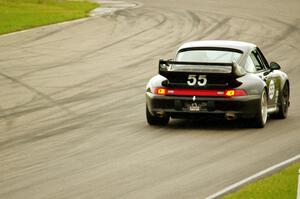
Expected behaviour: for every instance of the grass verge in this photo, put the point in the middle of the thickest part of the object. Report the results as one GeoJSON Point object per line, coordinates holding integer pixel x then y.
{"type": "Point", "coordinates": [281, 185]}
{"type": "Point", "coordinates": [23, 14]}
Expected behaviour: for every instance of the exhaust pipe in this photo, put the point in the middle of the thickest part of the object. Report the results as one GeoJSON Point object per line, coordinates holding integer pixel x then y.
{"type": "Point", "coordinates": [230, 116]}
{"type": "Point", "coordinates": [160, 114]}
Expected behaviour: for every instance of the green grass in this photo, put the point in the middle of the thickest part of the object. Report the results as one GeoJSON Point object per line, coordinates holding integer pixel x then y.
{"type": "Point", "coordinates": [281, 185]}
{"type": "Point", "coordinates": [23, 14]}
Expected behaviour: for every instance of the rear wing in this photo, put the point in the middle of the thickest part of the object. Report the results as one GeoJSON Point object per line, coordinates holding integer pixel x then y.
{"type": "Point", "coordinates": [227, 69]}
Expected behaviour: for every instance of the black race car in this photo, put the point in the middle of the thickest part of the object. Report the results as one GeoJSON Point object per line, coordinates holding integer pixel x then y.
{"type": "Point", "coordinates": [228, 79]}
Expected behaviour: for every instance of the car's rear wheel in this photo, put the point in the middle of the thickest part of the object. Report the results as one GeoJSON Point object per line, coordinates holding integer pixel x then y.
{"type": "Point", "coordinates": [284, 102]}
{"type": "Point", "coordinates": [156, 120]}
{"type": "Point", "coordinates": [260, 119]}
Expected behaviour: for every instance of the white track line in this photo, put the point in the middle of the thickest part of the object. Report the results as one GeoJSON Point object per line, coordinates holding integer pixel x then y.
{"type": "Point", "coordinates": [253, 177]}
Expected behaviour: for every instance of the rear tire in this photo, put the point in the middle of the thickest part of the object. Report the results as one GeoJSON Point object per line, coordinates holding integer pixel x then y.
{"type": "Point", "coordinates": [284, 103]}
{"type": "Point", "coordinates": [261, 117]}
{"type": "Point", "coordinates": [156, 120]}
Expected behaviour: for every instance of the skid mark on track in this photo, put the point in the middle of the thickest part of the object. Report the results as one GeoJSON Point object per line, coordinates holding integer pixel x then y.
{"type": "Point", "coordinates": [56, 129]}
{"type": "Point", "coordinates": [128, 37]}
{"type": "Point", "coordinates": [286, 33]}
{"type": "Point", "coordinates": [44, 96]}
{"type": "Point", "coordinates": [95, 52]}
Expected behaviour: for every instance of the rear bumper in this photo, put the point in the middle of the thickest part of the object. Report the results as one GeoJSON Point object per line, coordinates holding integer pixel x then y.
{"type": "Point", "coordinates": [179, 106]}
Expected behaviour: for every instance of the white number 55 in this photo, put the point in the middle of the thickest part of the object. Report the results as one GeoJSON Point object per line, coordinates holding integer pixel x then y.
{"type": "Point", "coordinates": [192, 80]}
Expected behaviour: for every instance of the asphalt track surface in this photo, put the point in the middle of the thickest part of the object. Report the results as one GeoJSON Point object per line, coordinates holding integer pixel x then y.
{"type": "Point", "coordinates": [72, 107]}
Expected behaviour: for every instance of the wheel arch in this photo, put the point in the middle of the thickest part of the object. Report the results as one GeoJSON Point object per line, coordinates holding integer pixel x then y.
{"type": "Point", "coordinates": [286, 82]}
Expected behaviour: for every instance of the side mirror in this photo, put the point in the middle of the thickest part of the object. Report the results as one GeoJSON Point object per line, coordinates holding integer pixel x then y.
{"type": "Point", "coordinates": [274, 66]}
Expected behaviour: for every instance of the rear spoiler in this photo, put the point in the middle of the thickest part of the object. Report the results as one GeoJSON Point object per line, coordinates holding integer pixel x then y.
{"type": "Point", "coordinates": [169, 66]}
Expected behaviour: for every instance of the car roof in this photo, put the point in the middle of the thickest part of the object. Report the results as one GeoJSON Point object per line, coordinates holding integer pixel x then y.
{"type": "Point", "coordinates": [239, 45]}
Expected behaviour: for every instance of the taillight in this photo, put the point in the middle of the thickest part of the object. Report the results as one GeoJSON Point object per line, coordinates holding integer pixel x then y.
{"type": "Point", "coordinates": [161, 91]}
{"type": "Point", "coordinates": [230, 93]}
{"type": "Point", "coordinates": [234, 93]}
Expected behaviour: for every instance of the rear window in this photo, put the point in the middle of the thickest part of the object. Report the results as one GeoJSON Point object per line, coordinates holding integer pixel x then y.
{"type": "Point", "coordinates": [211, 56]}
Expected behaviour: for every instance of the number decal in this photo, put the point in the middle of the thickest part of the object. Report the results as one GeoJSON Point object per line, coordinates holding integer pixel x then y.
{"type": "Point", "coordinates": [192, 80]}
{"type": "Point", "coordinates": [202, 80]}
{"type": "Point", "coordinates": [271, 89]}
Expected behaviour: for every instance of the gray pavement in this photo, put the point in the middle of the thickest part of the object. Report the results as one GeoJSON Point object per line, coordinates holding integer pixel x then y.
{"type": "Point", "coordinates": [72, 108]}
